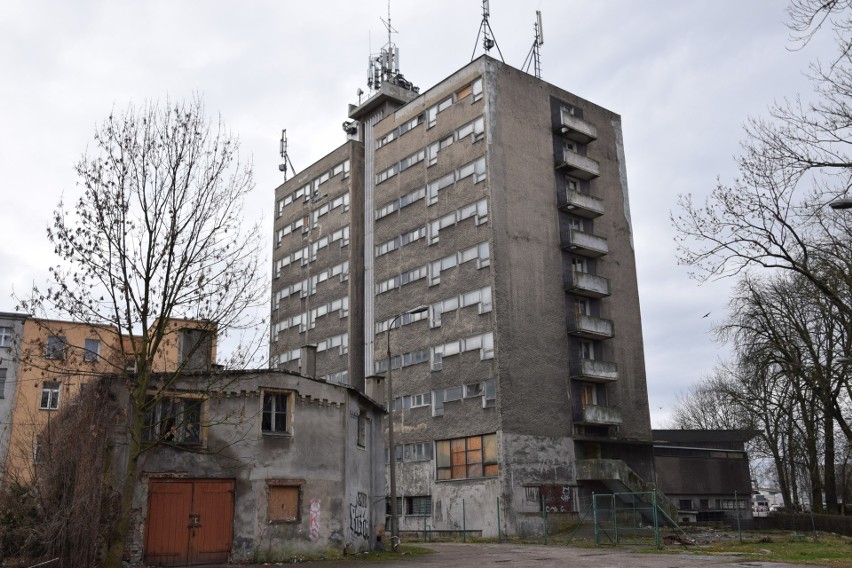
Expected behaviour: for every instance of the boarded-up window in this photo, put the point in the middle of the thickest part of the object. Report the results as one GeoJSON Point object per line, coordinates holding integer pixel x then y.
{"type": "Point", "coordinates": [464, 92]}
{"type": "Point", "coordinates": [475, 456]}
{"type": "Point", "coordinates": [283, 503]}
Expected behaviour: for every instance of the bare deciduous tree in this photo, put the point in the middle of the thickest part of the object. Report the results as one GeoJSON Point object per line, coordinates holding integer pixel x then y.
{"type": "Point", "coordinates": [157, 234]}
{"type": "Point", "coordinates": [786, 377]}
{"type": "Point", "coordinates": [775, 216]}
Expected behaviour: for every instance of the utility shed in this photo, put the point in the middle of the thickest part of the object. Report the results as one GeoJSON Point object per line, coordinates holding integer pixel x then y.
{"type": "Point", "coordinates": [705, 474]}
{"type": "Point", "coordinates": [258, 466]}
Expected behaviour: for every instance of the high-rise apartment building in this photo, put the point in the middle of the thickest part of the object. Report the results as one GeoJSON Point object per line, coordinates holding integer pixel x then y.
{"type": "Point", "coordinates": [498, 201]}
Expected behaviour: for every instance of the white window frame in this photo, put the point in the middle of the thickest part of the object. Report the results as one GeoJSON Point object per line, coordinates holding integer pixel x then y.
{"type": "Point", "coordinates": [50, 391]}
{"type": "Point", "coordinates": [7, 335]}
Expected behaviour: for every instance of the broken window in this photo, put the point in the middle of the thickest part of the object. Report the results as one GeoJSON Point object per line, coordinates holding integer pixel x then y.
{"type": "Point", "coordinates": [275, 412]}
{"type": "Point", "coordinates": [173, 419]}
{"type": "Point", "coordinates": [462, 458]}
{"type": "Point", "coordinates": [362, 430]}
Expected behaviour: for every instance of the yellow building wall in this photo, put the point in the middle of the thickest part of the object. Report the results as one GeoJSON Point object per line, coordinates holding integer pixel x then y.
{"type": "Point", "coordinates": [71, 371]}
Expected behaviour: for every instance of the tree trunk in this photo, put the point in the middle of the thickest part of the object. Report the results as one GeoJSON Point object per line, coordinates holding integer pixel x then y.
{"type": "Point", "coordinates": [129, 475]}
{"type": "Point", "coordinates": [830, 482]}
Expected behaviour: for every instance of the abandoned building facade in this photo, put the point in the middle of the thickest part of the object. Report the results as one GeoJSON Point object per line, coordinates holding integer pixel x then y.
{"type": "Point", "coordinates": [484, 224]}
{"type": "Point", "coordinates": [269, 465]}
{"type": "Point", "coordinates": [237, 465]}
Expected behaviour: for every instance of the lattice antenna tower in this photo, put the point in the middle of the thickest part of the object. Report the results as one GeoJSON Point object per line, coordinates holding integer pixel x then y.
{"type": "Point", "coordinates": [489, 40]}
{"type": "Point", "coordinates": [534, 56]}
{"type": "Point", "coordinates": [285, 156]}
{"type": "Point", "coordinates": [384, 66]}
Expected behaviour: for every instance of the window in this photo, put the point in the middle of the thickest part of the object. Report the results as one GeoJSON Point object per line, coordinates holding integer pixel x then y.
{"type": "Point", "coordinates": [92, 350]}
{"type": "Point", "coordinates": [463, 458]}
{"type": "Point", "coordinates": [49, 396]}
{"type": "Point", "coordinates": [588, 349]}
{"type": "Point", "coordinates": [196, 349]}
{"type": "Point", "coordinates": [174, 419]}
{"type": "Point", "coordinates": [419, 505]}
{"type": "Point", "coordinates": [490, 399]}
{"type": "Point", "coordinates": [362, 430]}
{"type": "Point", "coordinates": [588, 395]}
{"type": "Point", "coordinates": [282, 505]}
{"type": "Point", "coordinates": [732, 504]}
{"type": "Point", "coordinates": [419, 451]}
{"type": "Point", "coordinates": [472, 391]}
{"type": "Point", "coordinates": [275, 411]}
{"type": "Point", "coordinates": [684, 504]}
{"type": "Point", "coordinates": [6, 335]}
{"type": "Point", "coordinates": [55, 348]}
{"type": "Point", "coordinates": [464, 91]}
{"type": "Point", "coordinates": [477, 89]}
{"type": "Point", "coordinates": [2, 383]}
{"type": "Point", "coordinates": [576, 224]}
{"type": "Point", "coordinates": [572, 184]}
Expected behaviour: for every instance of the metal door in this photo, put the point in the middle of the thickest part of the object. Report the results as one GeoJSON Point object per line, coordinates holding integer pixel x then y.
{"type": "Point", "coordinates": [190, 522]}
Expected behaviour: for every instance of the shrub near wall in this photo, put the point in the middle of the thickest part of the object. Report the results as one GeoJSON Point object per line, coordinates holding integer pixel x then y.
{"type": "Point", "coordinates": [805, 522]}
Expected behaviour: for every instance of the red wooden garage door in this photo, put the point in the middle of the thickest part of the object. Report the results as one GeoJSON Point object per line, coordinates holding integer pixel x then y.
{"type": "Point", "coordinates": [189, 522]}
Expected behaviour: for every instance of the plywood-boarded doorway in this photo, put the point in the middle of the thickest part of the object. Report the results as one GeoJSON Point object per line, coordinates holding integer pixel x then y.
{"type": "Point", "coordinates": [190, 522]}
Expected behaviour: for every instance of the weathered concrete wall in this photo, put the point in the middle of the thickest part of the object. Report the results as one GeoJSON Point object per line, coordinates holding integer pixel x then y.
{"type": "Point", "coordinates": [339, 505]}
{"type": "Point", "coordinates": [470, 503]}
{"type": "Point", "coordinates": [308, 210]}
{"type": "Point", "coordinates": [535, 461]}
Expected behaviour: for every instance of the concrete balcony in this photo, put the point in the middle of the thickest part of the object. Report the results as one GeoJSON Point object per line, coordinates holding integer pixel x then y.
{"type": "Point", "coordinates": [581, 204]}
{"type": "Point", "coordinates": [596, 415]}
{"type": "Point", "coordinates": [577, 129]}
{"type": "Point", "coordinates": [579, 166]}
{"type": "Point", "coordinates": [588, 285]}
{"type": "Point", "coordinates": [591, 327]}
{"type": "Point", "coordinates": [595, 371]}
{"type": "Point", "coordinates": [584, 244]}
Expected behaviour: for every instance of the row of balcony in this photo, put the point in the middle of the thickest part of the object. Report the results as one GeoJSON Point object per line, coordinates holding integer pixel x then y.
{"type": "Point", "coordinates": [598, 415]}
{"type": "Point", "coordinates": [581, 283]}
{"type": "Point", "coordinates": [581, 204]}
{"type": "Point", "coordinates": [576, 129]}
{"type": "Point", "coordinates": [586, 285]}
{"type": "Point", "coordinates": [582, 243]}
{"type": "Point", "coordinates": [578, 166]}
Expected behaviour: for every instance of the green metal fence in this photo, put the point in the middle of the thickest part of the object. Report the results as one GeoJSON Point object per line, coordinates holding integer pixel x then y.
{"type": "Point", "coordinates": [627, 518]}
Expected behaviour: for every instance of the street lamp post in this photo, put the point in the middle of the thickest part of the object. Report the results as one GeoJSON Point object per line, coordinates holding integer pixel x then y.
{"type": "Point", "coordinates": [392, 452]}
{"type": "Point", "coordinates": [841, 204]}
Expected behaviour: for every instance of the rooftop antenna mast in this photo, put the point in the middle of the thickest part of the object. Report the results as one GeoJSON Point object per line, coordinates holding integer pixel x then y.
{"type": "Point", "coordinates": [534, 56]}
{"type": "Point", "coordinates": [285, 157]}
{"type": "Point", "coordinates": [384, 67]}
{"type": "Point", "coordinates": [488, 39]}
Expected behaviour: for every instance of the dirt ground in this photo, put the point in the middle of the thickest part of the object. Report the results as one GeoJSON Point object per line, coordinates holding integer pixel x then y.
{"type": "Point", "coordinates": [450, 555]}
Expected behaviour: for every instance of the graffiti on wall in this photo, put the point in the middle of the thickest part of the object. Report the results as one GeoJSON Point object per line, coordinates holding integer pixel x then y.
{"type": "Point", "coordinates": [558, 498]}
{"type": "Point", "coordinates": [359, 521]}
{"type": "Point", "coordinates": [315, 513]}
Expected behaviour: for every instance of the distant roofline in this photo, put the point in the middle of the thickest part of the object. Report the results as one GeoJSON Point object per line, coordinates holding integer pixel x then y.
{"type": "Point", "coordinates": [14, 316]}
{"type": "Point", "coordinates": [260, 372]}
{"type": "Point", "coordinates": [694, 435]}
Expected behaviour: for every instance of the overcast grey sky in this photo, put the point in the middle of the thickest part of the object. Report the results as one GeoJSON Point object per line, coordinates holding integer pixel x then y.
{"type": "Point", "coordinates": [684, 75]}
